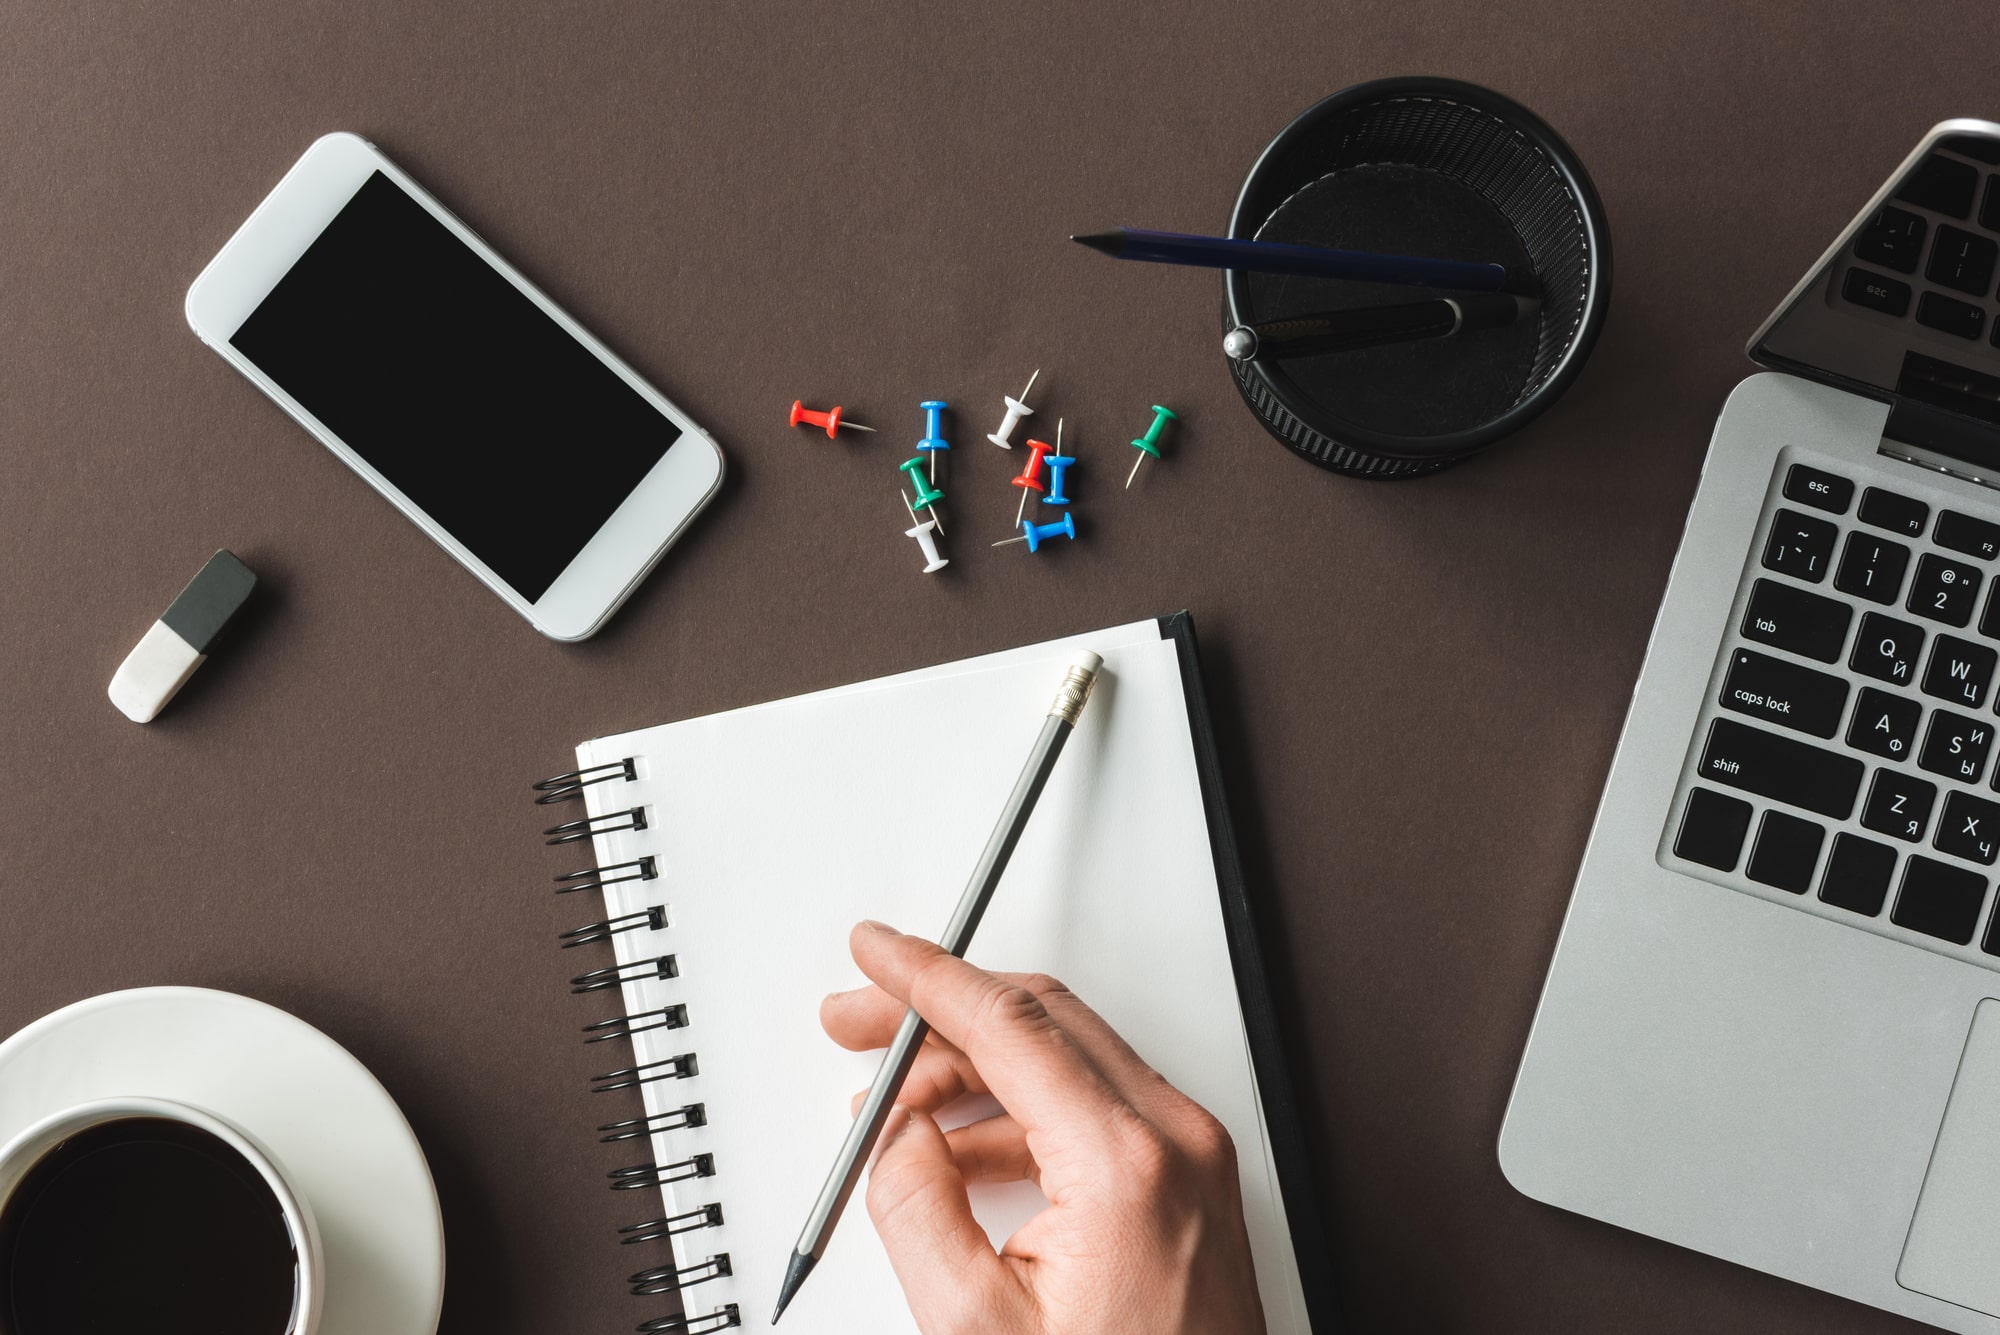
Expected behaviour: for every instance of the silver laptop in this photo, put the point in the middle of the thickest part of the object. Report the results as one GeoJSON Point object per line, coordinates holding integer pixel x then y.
{"type": "Point", "coordinates": [1771, 1030]}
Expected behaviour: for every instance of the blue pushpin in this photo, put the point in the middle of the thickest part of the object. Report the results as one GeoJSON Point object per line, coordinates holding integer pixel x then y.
{"type": "Point", "coordinates": [1058, 465]}
{"type": "Point", "coordinates": [933, 440]}
{"type": "Point", "coordinates": [1037, 534]}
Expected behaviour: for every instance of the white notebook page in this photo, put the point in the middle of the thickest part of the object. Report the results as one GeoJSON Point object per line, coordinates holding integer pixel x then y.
{"type": "Point", "coordinates": [777, 827]}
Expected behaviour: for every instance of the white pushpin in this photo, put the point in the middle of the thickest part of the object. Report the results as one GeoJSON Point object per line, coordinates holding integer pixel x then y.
{"type": "Point", "coordinates": [925, 534]}
{"type": "Point", "coordinates": [1016, 410]}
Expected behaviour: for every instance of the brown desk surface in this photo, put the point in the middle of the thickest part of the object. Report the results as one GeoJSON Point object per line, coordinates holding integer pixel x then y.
{"type": "Point", "coordinates": [1418, 686]}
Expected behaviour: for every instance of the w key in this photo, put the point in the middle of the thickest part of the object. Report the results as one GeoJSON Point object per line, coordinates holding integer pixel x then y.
{"type": "Point", "coordinates": [1970, 828]}
{"type": "Point", "coordinates": [1784, 693]}
{"type": "Point", "coordinates": [1959, 671]}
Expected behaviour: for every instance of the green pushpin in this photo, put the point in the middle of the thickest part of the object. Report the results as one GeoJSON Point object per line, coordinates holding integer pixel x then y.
{"type": "Point", "coordinates": [927, 495]}
{"type": "Point", "coordinates": [1150, 442]}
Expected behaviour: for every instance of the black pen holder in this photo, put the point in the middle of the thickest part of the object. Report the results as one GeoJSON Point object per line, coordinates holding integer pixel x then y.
{"type": "Point", "coordinates": [1444, 170]}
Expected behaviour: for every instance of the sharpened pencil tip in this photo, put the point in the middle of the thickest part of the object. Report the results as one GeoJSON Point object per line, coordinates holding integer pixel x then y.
{"type": "Point", "coordinates": [795, 1275]}
{"type": "Point", "coordinates": [1111, 243]}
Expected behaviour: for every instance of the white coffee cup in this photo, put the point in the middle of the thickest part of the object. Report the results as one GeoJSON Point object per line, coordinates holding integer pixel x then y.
{"type": "Point", "coordinates": [25, 1150]}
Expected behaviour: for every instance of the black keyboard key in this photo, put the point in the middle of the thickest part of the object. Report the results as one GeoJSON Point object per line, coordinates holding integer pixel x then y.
{"type": "Point", "coordinates": [1989, 621]}
{"type": "Point", "coordinates": [1989, 205]}
{"type": "Point", "coordinates": [1822, 491]}
{"type": "Point", "coordinates": [1857, 874]}
{"type": "Point", "coordinates": [1991, 945]}
{"type": "Point", "coordinates": [1898, 805]}
{"type": "Point", "coordinates": [1800, 546]}
{"type": "Point", "coordinates": [1872, 568]}
{"type": "Point", "coordinates": [1876, 292]}
{"type": "Point", "coordinates": [1962, 260]}
{"type": "Point", "coordinates": [1887, 649]}
{"type": "Point", "coordinates": [1968, 828]}
{"type": "Point", "coordinates": [1712, 829]}
{"type": "Point", "coordinates": [1786, 852]}
{"type": "Point", "coordinates": [1798, 622]}
{"type": "Point", "coordinates": [1769, 765]}
{"type": "Point", "coordinates": [1956, 746]}
{"type": "Point", "coordinates": [1893, 238]}
{"type": "Point", "coordinates": [1944, 590]}
{"type": "Point", "coordinates": [1894, 511]}
{"type": "Point", "coordinates": [1948, 315]}
{"type": "Point", "coordinates": [1941, 185]}
{"type": "Point", "coordinates": [1963, 533]}
{"type": "Point", "coordinates": [1960, 671]}
{"type": "Point", "coordinates": [1884, 724]}
{"type": "Point", "coordinates": [1939, 900]}
{"type": "Point", "coordinates": [1784, 693]}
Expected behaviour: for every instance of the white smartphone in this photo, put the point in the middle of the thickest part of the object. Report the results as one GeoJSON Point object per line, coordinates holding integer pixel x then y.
{"type": "Point", "coordinates": [392, 332]}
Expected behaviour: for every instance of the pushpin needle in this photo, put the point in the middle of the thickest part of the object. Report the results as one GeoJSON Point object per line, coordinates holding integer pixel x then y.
{"type": "Point", "coordinates": [1135, 471]}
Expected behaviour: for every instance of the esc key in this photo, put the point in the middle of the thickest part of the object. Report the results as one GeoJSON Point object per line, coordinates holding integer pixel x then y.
{"type": "Point", "coordinates": [1822, 491]}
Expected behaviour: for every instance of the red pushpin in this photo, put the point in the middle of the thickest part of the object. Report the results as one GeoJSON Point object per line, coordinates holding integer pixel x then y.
{"type": "Point", "coordinates": [1031, 476]}
{"type": "Point", "coordinates": [831, 421]}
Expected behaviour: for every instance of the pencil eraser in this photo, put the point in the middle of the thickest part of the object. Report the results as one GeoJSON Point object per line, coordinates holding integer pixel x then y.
{"type": "Point", "coordinates": [167, 655]}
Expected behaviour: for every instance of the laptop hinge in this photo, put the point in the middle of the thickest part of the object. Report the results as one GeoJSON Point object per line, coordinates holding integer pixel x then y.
{"type": "Point", "coordinates": [1950, 422]}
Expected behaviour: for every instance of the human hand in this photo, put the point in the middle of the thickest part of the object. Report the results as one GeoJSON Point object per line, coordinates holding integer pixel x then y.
{"type": "Point", "coordinates": [1144, 1230]}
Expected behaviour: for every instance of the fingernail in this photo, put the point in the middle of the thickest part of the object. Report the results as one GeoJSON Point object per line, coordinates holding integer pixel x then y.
{"type": "Point", "coordinates": [880, 928]}
{"type": "Point", "coordinates": [898, 1123]}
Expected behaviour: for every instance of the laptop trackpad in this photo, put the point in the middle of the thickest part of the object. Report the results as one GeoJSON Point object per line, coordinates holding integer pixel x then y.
{"type": "Point", "coordinates": [1953, 1251]}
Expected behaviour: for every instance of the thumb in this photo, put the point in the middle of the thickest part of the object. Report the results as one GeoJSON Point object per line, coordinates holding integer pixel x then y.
{"type": "Point", "coordinates": [953, 1278]}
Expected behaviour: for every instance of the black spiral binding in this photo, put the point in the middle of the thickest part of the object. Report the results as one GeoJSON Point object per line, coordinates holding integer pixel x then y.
{"type": "Point", "coordinates": [563, 787]}
{"type": "Point", "coordinates": [672, 1279]}
{"type": "Point", "coordinates": [708, 1216]}
{"type": "Point", "coordinates": [693, 1114]}
{"type": "Point", "coordinates": [722, 1318]}
{"type": "Point", "coordinates": [669, 1278]}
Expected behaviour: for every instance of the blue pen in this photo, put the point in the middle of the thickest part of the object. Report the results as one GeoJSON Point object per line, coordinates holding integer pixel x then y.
{"type": "Point", "coordinates": [1219, 252]}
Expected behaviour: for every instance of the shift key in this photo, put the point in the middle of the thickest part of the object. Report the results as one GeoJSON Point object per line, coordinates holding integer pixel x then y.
{"type": "Point", "coordinates": [1781, 769]}
{"type": "Point", "coordinates": [1784, 693]}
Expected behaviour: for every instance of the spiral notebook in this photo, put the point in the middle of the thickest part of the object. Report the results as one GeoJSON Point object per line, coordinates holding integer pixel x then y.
{"type": "Point", "coordinates": [735, 851]}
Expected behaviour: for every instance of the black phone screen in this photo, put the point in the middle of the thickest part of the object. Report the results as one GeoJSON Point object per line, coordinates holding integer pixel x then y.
{"type": "Point", "coordinates": [456, 387]}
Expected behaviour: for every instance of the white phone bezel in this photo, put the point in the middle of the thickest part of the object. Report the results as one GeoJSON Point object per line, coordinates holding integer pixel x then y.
{"type": "Point", "coordinates": [271, 241]}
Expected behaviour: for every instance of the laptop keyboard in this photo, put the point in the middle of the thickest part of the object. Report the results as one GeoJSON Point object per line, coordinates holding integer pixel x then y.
{"type": "Point", "coordinates": [1844, 761]}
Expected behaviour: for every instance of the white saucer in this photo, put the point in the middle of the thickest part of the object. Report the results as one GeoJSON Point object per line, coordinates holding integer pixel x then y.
{"type": "Point", "coordinates": [335, 1129]}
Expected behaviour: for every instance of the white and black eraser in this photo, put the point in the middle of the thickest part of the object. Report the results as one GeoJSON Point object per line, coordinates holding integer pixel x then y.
{"type": "Point", "coordinates": [178, 642]}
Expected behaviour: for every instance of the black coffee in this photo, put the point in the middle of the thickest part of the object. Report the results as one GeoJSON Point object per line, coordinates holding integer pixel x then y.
{"type": "Point", "coordinates": [145, 1224]}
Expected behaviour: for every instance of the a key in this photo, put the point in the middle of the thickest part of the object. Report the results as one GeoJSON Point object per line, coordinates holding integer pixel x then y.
{"type": "Point", "coordinates": [1887, 649]}
{"type": "Point", "coordinates": [1898, 805]}
{"type": "Point", "coordinates": [1956, 746]}
{"type": "Point", "coordinates": [1959, 671]}
{"type": "Point", "coordinates": [1857, 874]}
{"type": "Point", "coordinates": [1939, 900]}
{"type": "Point", "coordinates": [1963, 533]}
{"type": "Point", "coordinates": [1872, 568]}
{"type": "Point", "coordinates": [1774, 766]}
{"type": "Point", "coordinates": [1884, 724]}
{"type": "Point", "coordinates": [1789, 618]}
{"type": "Point", "coordinates": [1944, 590]}
{"type": "Point", "coordinates": [1712, 829]}
{"type": "Point", "coordinates": [1786, 852]}
{"type": "Point", "coordinates": [1894, 511]}
{"type": "Point", "coordinates": [1821, 490]}
{"type": "Point", "coordinates": [1800, 546]}
{"type": "Point", "coordinates": [1784, 693]}
{"type": "Point", "coordinates": [1969, 828]}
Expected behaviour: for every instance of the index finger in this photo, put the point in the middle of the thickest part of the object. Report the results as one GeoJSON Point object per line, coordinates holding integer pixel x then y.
{"type": "Point", "coordinates": [1030, 1063]}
